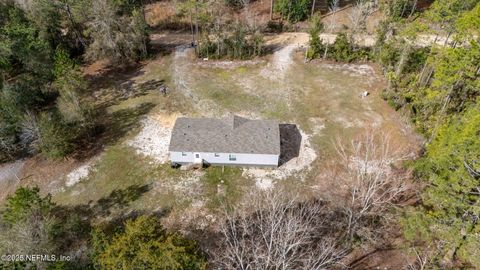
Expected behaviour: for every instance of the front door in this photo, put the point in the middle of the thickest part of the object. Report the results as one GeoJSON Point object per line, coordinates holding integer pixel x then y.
{"type": "Point", "coordinates": [198, 158]}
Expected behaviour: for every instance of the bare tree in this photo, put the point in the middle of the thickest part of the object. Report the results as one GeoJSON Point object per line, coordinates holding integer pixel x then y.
{"type": "Point", "coordinates": [332, 24]}
{"type": "Point", "coordinates": [422, 259]}
{"type": "Point", "coordinates": [359, 14]}
{"type": "Point", "coordinates": [248, 17]}
{"type": "Point", "coordinates": [118, 38]}
{"type": "Point", "coordinates": [30, 132]}
{"type": "Point", "coordinates": [30, 236]}
{"type": "Point", "coordinates": [375, 184]}
{"type": "Point", "coordinates": [274, 232]}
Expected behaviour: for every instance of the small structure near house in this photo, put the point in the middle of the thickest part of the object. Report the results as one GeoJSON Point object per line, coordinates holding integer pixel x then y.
{"type": "Point", "coordinates": [231, 141]}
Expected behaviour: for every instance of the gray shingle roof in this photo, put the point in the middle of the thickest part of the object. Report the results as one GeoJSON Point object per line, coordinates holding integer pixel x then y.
{"type": "Point", "coordinates": [231, 135]}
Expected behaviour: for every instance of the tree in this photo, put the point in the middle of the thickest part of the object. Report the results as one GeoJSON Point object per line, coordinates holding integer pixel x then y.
{"type": "Point", "coordinates": [332, 25]}
{"type": "Point", "coordinates": [121, 39]}
{"type": "Point", "coordinates": [293, 10]}
{"type": "Point", "coordinates": [17, 207]}
{"type": "Point", "coordinates": [451, 200]}
{"type": "Point", "coordinates": [27, 225]}
{"type": "Point", "coordinates": [375, 184]}
{"type": "Point", "coordinates": [70, 84]}
{"type": "Point", "coordinates": [275, 231]}
{"type": "Point", "coordinates": [56, 137]}
{"type": "Point", "coordinates": [358, 16]}
{"type": "Point", "coordinates": [25, 70]}
{"type": "Point", "coordinates": [144, 244]}
{"type": "Point", "coordinates": [316, 46]}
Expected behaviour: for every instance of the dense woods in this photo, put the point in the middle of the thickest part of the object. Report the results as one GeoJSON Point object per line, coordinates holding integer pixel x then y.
{"type": "Point", "coordinates": [45, 109]}
{"type": "Point", "coordinates": [42, 44]}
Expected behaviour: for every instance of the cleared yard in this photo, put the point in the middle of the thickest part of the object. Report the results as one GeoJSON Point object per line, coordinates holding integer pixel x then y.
{"type": "Point", "coordinates": [128, 172]}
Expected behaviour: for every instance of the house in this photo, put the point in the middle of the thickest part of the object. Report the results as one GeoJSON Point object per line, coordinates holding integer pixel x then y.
{"type": "Point", "coordinates": [230, 141]}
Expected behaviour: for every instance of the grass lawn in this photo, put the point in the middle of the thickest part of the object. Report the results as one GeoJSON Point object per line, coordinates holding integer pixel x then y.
{"type": "Point", "coordinates": [322, 99]}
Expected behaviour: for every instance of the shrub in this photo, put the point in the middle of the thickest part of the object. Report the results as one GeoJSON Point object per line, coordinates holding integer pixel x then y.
{"type": "Point", "coordinates": [23, 200]}
{"type": "Point", "coordinates": [293, 10]}
{"type": "Point", "coordinates": [342, 50]}
{"type": "Point", "coordinates": [316, 48]}
{"type": "Point", "coordinates": [56, 138]}
{"type": "Point", "coordinates": [234, 3]}
{"type": "Point", "coordinates": [274, 27]}
{"type": "Point", "coordinates": [144, 244]}
{"type": "Point", "coordinates": [234, 42]}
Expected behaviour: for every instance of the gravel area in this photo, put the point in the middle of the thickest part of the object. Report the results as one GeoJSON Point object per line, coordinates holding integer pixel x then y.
{"type": "Point", "coordinates": [265, 178]}
{"type": "Point", "coordinates": [153, 140]}
{"type": "Point", "coordinates": [80, 173]}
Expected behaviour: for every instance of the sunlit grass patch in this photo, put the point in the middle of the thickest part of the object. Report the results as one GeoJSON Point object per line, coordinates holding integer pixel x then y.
{"type": "Point", "coordinates": [126, 177]}
{"type": "Point", "coordinates": [224, 184]}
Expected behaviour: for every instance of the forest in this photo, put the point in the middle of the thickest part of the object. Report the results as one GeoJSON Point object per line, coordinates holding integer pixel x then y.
{"type": "Point", "coordinates": [428, 55]}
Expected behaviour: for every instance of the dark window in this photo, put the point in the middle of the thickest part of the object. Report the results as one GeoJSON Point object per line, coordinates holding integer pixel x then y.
{"type": "Point", "coordinates": [197, 155]}
{"type": "Point", "coordinates": [184, 154]}
{"type": "Point", "coordinates": [232, 157]}
{"type": "Point", "coordinates": [217, 154]}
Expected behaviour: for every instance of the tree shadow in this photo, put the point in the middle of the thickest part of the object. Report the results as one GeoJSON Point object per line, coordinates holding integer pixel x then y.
{"type": "Point", "coordinates": [290, 142]}
{"type": "Point", "coordinates": [110, 128]}
{"type": "Point", "coordinates": [76, 226]}
{"type": "Point", "coordinates": [120, 198]}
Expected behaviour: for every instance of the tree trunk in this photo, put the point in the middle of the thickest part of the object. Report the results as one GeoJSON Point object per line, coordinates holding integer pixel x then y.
{"type": "Point", "coordinates": [313, 7]}
{"type": "Point", "coordinates": [271, 9]}
{"type": "Point", "coordinates": [414, 7]}
{"type": "Point", "coordinates": [191, 27]}
{"type": "Point", "coordinates": [403, 59]}
{"type": "Point", "coordinates": [74, 26]}
{"type": "Point", "coordinates": [196, 25]}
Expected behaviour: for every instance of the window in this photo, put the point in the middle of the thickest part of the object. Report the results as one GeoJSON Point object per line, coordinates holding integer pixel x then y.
{"type": "Point", "coordinates": [184, 154]}
{"type": "Point", "coordinates": [232, 157]}
{"type": "Point", "coordinates": [197, 155]}
{"type": "Point", "coordinates": [217, 154]}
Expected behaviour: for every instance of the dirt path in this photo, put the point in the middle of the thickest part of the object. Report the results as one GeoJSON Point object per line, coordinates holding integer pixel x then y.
{"type": "Point", "coordinates": [301, 39]}
{"type": "Point", "coordinates": [10, 174]}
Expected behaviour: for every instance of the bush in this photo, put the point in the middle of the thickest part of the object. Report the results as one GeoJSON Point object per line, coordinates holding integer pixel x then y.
{"type": "Point", "coordinates": [234, 3]}
{"type": "Point", "coordinates": [23, 200]}
{"type": "Point", "coordinates": [293, 10]}
{"type": "Point", "coordinates": [144, 244]}
{"type": "Point", "coordinates": [235, 43]}
{"type": "Point", "coordinates": [274, 27]}
{"type": "Point", "coordinates": [316, 48]}
{"type": "Point", "coordinates": [342, 50]}
{"type": "Point", "coordinates": [56, 138]}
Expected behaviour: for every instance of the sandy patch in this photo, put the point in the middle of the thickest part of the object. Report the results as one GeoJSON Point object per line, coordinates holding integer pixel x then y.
{"type": "Point", "coordinates": [195, 217]}
{"type": "Point", "coordinates": [318, 124]}
{"type": "Point", "coordinates": [228, 65]}
{"type": "Point", "coordinates": [154, 138]}
{"type": "Point", "coordinates": [78, 174]}
{"type": "Point", "coordinates": [189, 184]}
{"type": "Point", "coordinates": [264, 183]}
{"type": "Point", "coordinates": [361, 70]}
{"type": "Point", "coordinates": [265, 178]}
{"type": "Point", "coordinates": [278, 67]}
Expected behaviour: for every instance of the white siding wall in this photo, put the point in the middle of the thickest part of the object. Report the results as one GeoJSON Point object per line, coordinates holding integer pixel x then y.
{"type": "Point", "coordinates": [223, 158]}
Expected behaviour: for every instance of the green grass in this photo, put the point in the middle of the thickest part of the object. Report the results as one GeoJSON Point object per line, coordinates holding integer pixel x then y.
{"type": "Point", "coordinates": [230, 180]}
{"type": "Point", "coordinates": [124, 177]}
{"type": "Point", "coordinates": [134, 182]}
